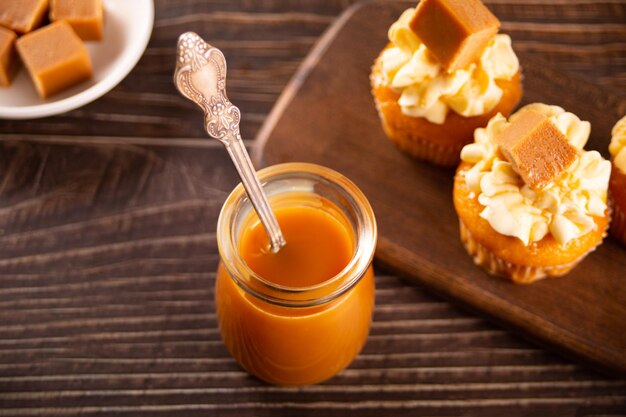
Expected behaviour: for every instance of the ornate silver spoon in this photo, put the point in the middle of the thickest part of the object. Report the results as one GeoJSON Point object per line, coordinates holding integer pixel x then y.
{"type": "Point", "coordinates": [201, 77]}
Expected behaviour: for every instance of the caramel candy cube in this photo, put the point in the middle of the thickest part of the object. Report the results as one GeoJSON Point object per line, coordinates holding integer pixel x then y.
{"type": "Point", "coordinates": [8, 57]}
{"type": "Point", "coordinates": [22, 16]}
{"type": "Point", "coordinates": [536, 149]}
{"type": "Point", "coordinates": [55, 57]}
{"type": "Point", "coordinates": [454, 31]}
{"type": "Point", "coordinates": [85, 16]}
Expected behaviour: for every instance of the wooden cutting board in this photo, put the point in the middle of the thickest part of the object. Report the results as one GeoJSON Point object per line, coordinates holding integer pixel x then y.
{"type": "Point", "coordinates": [326, 115]}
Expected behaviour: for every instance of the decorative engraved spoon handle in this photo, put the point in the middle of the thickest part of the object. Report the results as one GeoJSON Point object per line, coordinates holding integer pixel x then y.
{"type": "Point", "coordinates": [201, 77]}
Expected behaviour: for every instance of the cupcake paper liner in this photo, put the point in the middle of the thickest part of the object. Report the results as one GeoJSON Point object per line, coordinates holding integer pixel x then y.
{"type": "Point", "coordinates": [418, 147]}
{"type": "Point", "coordinates": [520, 274]}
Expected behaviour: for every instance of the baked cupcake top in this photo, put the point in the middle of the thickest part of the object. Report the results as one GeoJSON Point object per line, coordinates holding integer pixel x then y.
{"type": "Point", "coordinates": [617, 148]}
{"type": "Point", "coordinates": [428, 90]}
{"type": "Point", "coordinates": [564, 208]}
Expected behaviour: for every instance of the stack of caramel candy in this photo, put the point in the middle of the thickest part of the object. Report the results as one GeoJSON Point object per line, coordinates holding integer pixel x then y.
{"type": "Point", "coordinates": [48, 36]}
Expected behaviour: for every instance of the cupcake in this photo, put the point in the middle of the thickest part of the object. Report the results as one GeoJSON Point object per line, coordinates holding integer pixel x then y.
{"type": "Point", "coordinates": [617, 185]}
{"type": "Point", "coordinates": [429, 100]}
{"type": "Point", "coordinates": [531, 201]}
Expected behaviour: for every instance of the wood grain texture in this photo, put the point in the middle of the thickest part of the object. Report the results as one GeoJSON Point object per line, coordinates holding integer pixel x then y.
{"type": "Point", "coordinates": [418, 228]}
{"type": "Point", "coordinates": [107, 246]}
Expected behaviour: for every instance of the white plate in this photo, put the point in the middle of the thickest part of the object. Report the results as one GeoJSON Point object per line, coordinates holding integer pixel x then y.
{"type": "Point", "coordinates": [127, 29]}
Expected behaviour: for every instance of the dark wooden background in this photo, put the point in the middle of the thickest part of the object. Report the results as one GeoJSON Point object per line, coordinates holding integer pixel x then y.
{"type": "Point", "coordinates": [107, 245]}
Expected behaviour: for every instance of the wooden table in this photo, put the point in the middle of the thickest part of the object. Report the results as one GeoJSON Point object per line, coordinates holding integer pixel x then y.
{"type": "Point", "coordinates": [108, 253]}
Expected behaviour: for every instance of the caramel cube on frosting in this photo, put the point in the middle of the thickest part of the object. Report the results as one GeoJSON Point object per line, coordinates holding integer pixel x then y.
{"type": "Point", "coordinates": [85, 16]}
{"type": "Point", "coordinates": [8, 57]}
{"type": "Point", "coordinates": [536, 149]}
{"type": "Point", "coordinates": [56, 58]}
{"type": "Point", "coordinates": [22, 16]}
{"type": "Point", "coordinates": [454, 31]}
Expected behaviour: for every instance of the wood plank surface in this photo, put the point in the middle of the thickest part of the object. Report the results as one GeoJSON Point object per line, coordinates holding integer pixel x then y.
{"type": "Point", "coordinates": [108, 252]}
{"type": "Point", "coordinates": [331, 113]}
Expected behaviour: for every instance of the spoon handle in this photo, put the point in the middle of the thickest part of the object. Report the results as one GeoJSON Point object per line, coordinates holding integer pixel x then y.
{"type": "Point", "coordinates": [201, 77]}
{"type": "Point", "coordinates": [251, 183]}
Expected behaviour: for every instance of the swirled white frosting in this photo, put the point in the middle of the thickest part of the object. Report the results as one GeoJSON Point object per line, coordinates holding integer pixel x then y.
{"type": "Point", "coordinates": [617, 148]}
{"type": "Point", "coordinates": [565, 208]}
{"type": "Point", "coordinates": [427, 90]}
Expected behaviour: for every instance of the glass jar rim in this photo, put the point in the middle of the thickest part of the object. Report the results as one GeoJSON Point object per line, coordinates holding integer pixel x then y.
{"type": "Point", "coordinates": [365, 231]}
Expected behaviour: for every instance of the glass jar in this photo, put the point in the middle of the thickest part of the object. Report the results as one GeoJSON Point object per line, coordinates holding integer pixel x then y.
{"type": "Point", "coordinates": [296, 335]}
